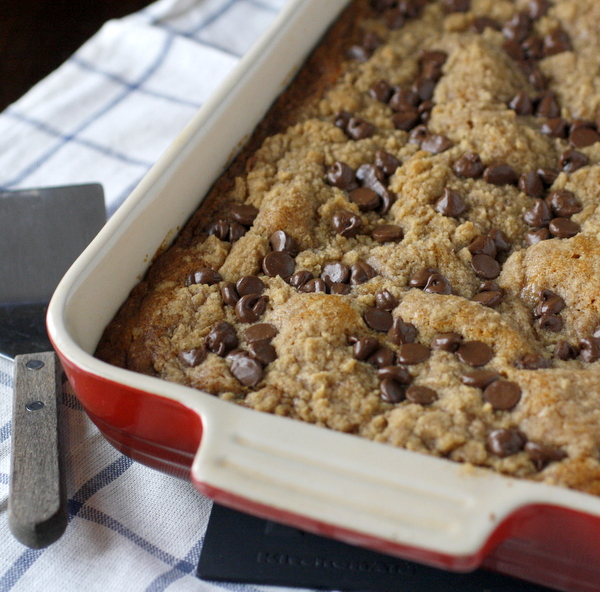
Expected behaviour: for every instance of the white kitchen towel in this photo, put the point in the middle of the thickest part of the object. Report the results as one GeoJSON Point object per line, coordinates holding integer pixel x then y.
{"type": "Point", "coordinates": [105, 116]}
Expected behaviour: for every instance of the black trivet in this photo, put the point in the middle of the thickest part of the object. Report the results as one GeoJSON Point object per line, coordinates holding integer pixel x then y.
{"type": "Point", "coordinates": [241, 548]}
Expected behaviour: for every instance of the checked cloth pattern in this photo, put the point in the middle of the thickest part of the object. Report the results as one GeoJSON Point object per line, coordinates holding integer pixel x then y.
{"type": "Point", "coordinates": [105, 116]}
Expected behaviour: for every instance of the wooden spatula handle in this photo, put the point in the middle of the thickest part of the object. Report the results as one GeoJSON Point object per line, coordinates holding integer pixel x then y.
{"type": "Point", "coordinates": [37, 506]}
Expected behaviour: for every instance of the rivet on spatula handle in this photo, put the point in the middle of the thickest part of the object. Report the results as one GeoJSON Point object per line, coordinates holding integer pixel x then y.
{"type": "Point", "coordinates": [37, 505]}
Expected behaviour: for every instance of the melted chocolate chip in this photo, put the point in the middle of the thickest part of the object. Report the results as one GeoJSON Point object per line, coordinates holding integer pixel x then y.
{"type": "Point", "coordinates": [449, 342]}
{"type": "Point", "coordinates": [485, 267]}
{"type": "Point", "coordinates": [193, 357]}
{"type": "Point", "coordinates": [366, 199]}
{"type": "Point", "coordinates": [247, 370]}
{"type": "Point", "coordinates": [229, 294]}
{"type": "Point", "coordinates": [474, 353]}
{"type": "Point", "coordinates": [479, 378]}
{"type": "Point", "coordinates": [436, 143]}
{"type": "Point", "coordinates": [541, 455]}
{"type": "Point", "coordinates": [451, 204]}
{"type": "Point", "coordinates": [378, 319]}
{"type": "Point", "coordinates": [260, 332]}
{"type": "Point", "coordinates": [412, 353]}
{"type": "Point", "coordinates": [563, 228]}
{"type": "Point", "coordinates": [538, 215]}
{"type": "Point", "coordinates": [401, 332]}
{"type": "Point", "coordinates": [243, 214]}
{"type": "Point", "coordinates": [531, 184]}
{"type": "Point", "coordinates": [565, 350]}
{"type": "Point", "coordinates": [469, 165]}
{"type": "Point", "coordinates": [385, 300]}
{"type": "Point", "coordinates": [421, 395]}
{"type": "Point", "coordinates": [278, 263]}
{"type": "Point", "coordinates": [502, 394]}
{"type": "Point", "coordinates": [222, 339]}
{"type": "Point", "coordinates": [387, 233]}
{"type": "Point", "coordinates": [365, 347]}
{"type": "Point", "coordinates": [250, 308]}
{"type": "Point", "coordinates": [204, 275]}
{"type": "Point", "coordinates": [500, 174]}
{"type": "Point", "coordinates": [361, 272]}
{"type": "Point", "coordinates": [282, 241]}
{"type": "Point", "coordinates": [314, 285]}
{"type": "Point", "coordinates": [262, 352]}
{"type": "Point", "coordinates": [437, 284]}
{"type": "Point", "coordinates": [341, 175]}
{"type": "Point", "coordinates": [563, 203]}
{"type": "Point", "coordinates": [572, 160]}
{"type": "Point", "coordinates": [391, 391]}
{"type": "Point", "coordinates": [346, 223]}
{"type": "Point", "coordinates": [250, 284]}
{"type": "Point", "coordinates": [506, 441]}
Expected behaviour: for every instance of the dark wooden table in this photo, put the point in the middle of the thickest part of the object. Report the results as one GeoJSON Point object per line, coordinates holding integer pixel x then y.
{"type": "Point", "coordinates": [36, 36]}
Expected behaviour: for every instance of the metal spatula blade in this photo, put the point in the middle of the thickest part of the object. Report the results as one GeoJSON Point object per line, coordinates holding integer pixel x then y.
{"type": "Point", "coordinates": [42, 231]}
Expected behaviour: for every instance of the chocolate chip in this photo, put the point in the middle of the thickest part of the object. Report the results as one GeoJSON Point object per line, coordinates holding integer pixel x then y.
{"type": "Point", "coordinates": [359, 53]}
{"type": "Point", "coordinates": [250, 308]}
{"type": "Point", "coordinates": [479, 378]}
{"type": "Point", "coordinates": [385, 300]}
{"type": "Point", "coordinates": [556, 42]}
{"type": "Point", "coordinates": [533, 237]}
{"type": "Point", "coordinates": [423, 87]}
{"type": "Point", "coordinates": [229, 294]}
{"type": "Point", "coordinates": [563, 228]}
{"type": "Point", "coordinates": [480, 24]}
{"type": "Point", "coordinates": [347, 223]}
{"type": "Point", "coordinates": [548, 106]}
{"type": "Point", "coordinates": [387, 233]}
{"type": "Point", "coordinates": [548, 176]}
{"type": "Point", "coordinates": [431, 63]}
{"type": "Point", "coordinates": [521, 104]}
{"type": "Point", "coordinates": [366, 199]}
{"type": "Point", "coordinates": [538, 8]}
{"type": "Point", "coordinates": [250, 284]}
{"type": "Point", "coordinates": [457, 5]}
{"type": "Point", "coordinates": [339, 288]}
{"type": "Point", "coordinates": [451, 204]}
{"type": "Point", "coordinates": [563, 203]}
{"type": "Point", "coordinates": [565, 350]}
{"type": "Point", "coordinates": [418, 135]}
{"type": "Point", "coordinates": [446, 342]}
{"type": "Point", "coordinates": [220, 229]}
{"type": "Point", "coordinates": [236, 231]}
{"type": "Point", "coordinates": [571, 160]}
{"type": "Point", "coordinates": [551, 322]}
{"type": "Point", "coordinates": [278, 263]}
{"type": "Point", "coordinates": [513, 48]}
{"type": "Point", "coordinates": [397, 373]}
{"type": "Point", "coordinates": [436, 143]}
{"type": "Point", "coordinates": [221, 339]}
{"type": "Point", "coordinates": [532, 362]}
{"type": "Point", "coordinates": [247, 370]}
{"type": "Point", "coordinates": [361, 272]}
{"type": "Point", "coordinates": [205, 275]}
{"type": "Point", "coordinates": [538, 215]}
{"type": "Point", "coordinates": [469, 165]}
{"type": "Point", "coordinates": [386, 162]}
{"type": "Point", "coordinates": [282, 241]}
{"type": "Point", "coordinates": [359, 129]}
{"type": "Point", "coordinates": [589, 349]}
{"type": "Point", "coordinates": [557, 127]}
{"type": "Point", "coordinates": [391, 391]}
{"type": "Point", "coordinates": [550, 303]}
{"type": "Point", "coordinates": [485, 266]}
{"type": "Point", "coordinates": [506, 441]}
{"type": "Point", "coordinates": [260, 332]}
{"type": "Point", "coordinates": [518, 28]}
{"type": "Point", "coordinates": [500, 174]}
{"type": "Point", "coordinates": [412, 353]}
{"type": "Point", "coordinates": [420, 278]}
{"type": "Point", "coordinates": [406, 119]}
{"type": "Point", "coordinates": [193, 357]}
{"type": "Point", "coordinates": [403, 99]}
{"type": "Point", "coordinates": [489, 286]}
{"type": "Point", "coordinates": [341, 175]}
{"type": "Point", "coordinates": [335, 272]}
{"type": "Point", "coordinates": [378, 319]}
{"type": "Point", "coordinates": [381, 91]}
{"type": "Point", "coordinates": [314, 285]}
{"type": "Point", "coordinates": [243, 214]}
{"type": "Point", "coordinates": [341, 119]}
{"type": "Point", "coordinates": [531, 184]}
{"type": "Point", "coordinates": [381, 5]}
{"type": "Point", "coordinates": [537, 79]}
{"type": "Point", "coordinates": [533, 47]}
{"type": "Point", "coordinates": [421, 395]}
{"type": "Point", "coordinates": [502, 245]}
{"type": "Point", "coordinates": [583, 136]}
{"type": "Point", "coordinates": [365, 347]}
{"type": "Point", "coordinates": [502, 394]}
{"type": "Point", "coordinates": [483, 244]}
{"type": "Point", "coordinates": [541, 454]}
{"type": "Point", "coordinates": [437, 284]}
{"type": "Point", "coordinates": [401, 332]}
{"type": "Point", "coordinates": [489, 298]}
{"type": "Point", "coordinates": [382, 358]}
{"type": "Point", "coordinates": [474, 353]}
{"type": "Point", "coordinates": [262, 352]}
{"type": "Point", "coordinates": [424, 110]}
{"type": "Point", "coordinates": [300, 278]}
{"type": "Point", "coordinates": [393, 18]}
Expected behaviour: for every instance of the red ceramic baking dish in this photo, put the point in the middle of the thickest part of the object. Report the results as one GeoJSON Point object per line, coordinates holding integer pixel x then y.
{"type": "Point", "coordinates": [391, 500]}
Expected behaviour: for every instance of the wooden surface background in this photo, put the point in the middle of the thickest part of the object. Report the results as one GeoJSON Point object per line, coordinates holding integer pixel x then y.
{"type": "Point", "coordinates": [36, 36]}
